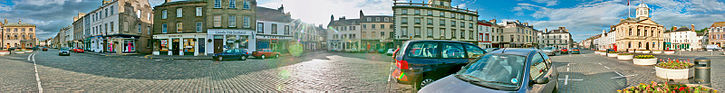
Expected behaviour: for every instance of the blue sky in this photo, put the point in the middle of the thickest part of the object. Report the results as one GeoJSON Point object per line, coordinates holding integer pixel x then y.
{"type": "Point", "coordinates": [583, 18]}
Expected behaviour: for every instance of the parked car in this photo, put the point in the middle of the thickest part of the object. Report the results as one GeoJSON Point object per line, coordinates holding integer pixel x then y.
{"type": "Point", "coordinates": [490, 49]}
{"type": "Point", "coordinates": [78, 50]}
{"type": "Point", "coordinates": [502, 71]}
{"type": "Point", "coordinates": [420, 62]}
{"type": "Point", "coordinates": [564, 50]}
{"type": "Point", "coordinates": [45, 48]}
{"type": "Point", "coordinates": [390, 52]}
{"type": "Point", "coordinates": [551, 51]}
{"type": "Point", "coordinates": [65, 51]}
{"type": "Point", "coordinates": [264, 53]}
{"type": "Point", "coordinates": [712, 47]}
{"type": "Point", "coordinates": [240, 54]}
{"type": "Point", "coordinates": [575, 51]}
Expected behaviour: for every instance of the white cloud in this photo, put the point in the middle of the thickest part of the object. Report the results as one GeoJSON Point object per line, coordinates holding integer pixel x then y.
{"type": "Point", "coordinates": [547, 2]}
{"type": "Point", "coordinates": [5, 8]}
{"type": "Point", "coordinates": [582, 19]}
{"type": "Point", "coordinates": [706, 5]}
{"type": "Point", "coordinates": [41, 2]}
{"type": "Point", "coordinates": [319, 11]}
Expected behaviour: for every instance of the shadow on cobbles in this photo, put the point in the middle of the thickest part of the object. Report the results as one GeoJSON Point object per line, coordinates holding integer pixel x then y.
{"type": "Point", "coordinates": [136, 67]}
{"type": "Point", "coordinates": [592, 83]}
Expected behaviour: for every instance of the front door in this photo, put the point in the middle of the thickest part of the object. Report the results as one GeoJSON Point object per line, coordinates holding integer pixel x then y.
{"type": "Point", "coordinates": [218, 45]}
{"type": "Point", "coordinates": [175, 46]}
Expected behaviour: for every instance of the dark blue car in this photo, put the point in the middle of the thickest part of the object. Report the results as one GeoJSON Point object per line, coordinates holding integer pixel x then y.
{"type": "Point", "coordinates": [501, 71]}
{"type": "Point", "coordinates": [240, 54]}
{"type": "Point", "coordinates": [420, 62]}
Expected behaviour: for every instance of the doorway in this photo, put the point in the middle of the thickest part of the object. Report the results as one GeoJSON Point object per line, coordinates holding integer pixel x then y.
{"type": "Point", "coordinates": [218, 45]}
{"type": "Point", "coordinates": [175, 46]}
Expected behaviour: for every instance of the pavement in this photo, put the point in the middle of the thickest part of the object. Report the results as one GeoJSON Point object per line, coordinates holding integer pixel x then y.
{"type": "Point", "coordinates": [312, 72]}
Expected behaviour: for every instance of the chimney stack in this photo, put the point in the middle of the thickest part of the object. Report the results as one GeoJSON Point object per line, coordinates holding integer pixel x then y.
{"type": "Point", "coordinates": [167, 1]}
{"type": "Point", "coordinates": [692, 27]}
{"type": "Point", "coordinates": [674, 28]}
{"type": "Point", "coordinates": [492, 21]}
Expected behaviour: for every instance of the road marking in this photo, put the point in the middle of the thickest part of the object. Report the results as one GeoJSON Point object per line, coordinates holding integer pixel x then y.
{"type": "Point", "coordinates": [600, 63]}
{"type": "Point", "coordinates": [35, 68]}
{"type": "Point", "coordinates": [566, 79]}
{"type": "Point", "coordinates": [606, 67]}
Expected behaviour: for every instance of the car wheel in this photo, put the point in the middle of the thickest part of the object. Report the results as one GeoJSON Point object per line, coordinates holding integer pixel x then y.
{"type": "Point", "coordinates": [220, 58]}
{"type": "Point", "coordinates": [418, 85]}
{"type": "Point", "coordinates": [243, 58]}
{"type": "Point", "coordinates": [263, 56]}
{"type": "Point", "coordinates": [276, 56]}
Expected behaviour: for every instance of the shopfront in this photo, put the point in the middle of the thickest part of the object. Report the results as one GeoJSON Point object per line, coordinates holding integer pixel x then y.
{"type": "Point", "coordinates": [179, 44]}
{"type": "Point", "coordinates": [276, 43]}
{"type": "Point", "coordinates": [223, 39]}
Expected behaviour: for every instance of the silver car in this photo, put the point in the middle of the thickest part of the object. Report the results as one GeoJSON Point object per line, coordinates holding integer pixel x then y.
{"type": "Point", "coordinates": [551, 51]}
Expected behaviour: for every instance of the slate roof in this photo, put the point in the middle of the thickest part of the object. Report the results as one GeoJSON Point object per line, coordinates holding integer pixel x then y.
{"type": "Point", "coordinates": [268, 14]}
{"type": "Point", "coordinates": [345, 22]}
{"type": "Point", "coordinates": [718, 24]}
{"type": "Point", "coordinates": [16, 24]}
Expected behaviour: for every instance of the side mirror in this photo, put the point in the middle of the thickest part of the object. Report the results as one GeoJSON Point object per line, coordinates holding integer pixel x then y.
{"type": "Point", "coordinates": [476, 55]}
{"type": "Point", "coordinates": [542, 80]}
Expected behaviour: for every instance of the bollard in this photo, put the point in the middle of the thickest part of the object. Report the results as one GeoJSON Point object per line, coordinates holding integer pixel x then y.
{"type": "Point", "coordinates": [702, 71]}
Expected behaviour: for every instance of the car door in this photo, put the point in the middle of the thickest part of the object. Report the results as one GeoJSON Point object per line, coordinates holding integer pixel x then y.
{"type": "Point", "coordinates": [540, 68]}
{"type": "Point", "coordinates": [423, 55]}
{"type": "Point", "coordinates": [453, 56]}
{"type": "Point", "coordinates": [473, 52]}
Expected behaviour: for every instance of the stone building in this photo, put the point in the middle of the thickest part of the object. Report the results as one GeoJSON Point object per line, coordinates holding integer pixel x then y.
{"type": "Point", "coordinates": [78, 32]}
{"type": "Point", "coordinates": [376, 32]}
{"type": "Point", "coordinates": [274, 27]}
{"type": "Point", "coordinates": [434, 20]}
{"type": "Point", "coordinates": [179, 28]}
{"type": "Point", "coordinates": [640, 33]}
{"type": "Point", "coordinates": [231, 25]}
{"type": "Point", "coordinates": [516, 35]}
{"type": "Point", "coordinates": [560, 38]}
{"type": "Point", "coordinates": [344, 34]}
{"type": "Point", "coordinates": [18, 34]}
{"type": "Point", "coordinates": [120, 26]}
{"type": "Point", "coordinates": [716, 34]}
{"type": "Point", "coordinates": [489, 34]}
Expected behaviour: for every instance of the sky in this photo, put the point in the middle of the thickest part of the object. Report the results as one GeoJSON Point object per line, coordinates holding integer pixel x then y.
{"type": "Point", "coordinates": [583, 18]}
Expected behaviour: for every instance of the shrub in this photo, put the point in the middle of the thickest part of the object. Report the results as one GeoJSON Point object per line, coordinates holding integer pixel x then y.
{"type": "Point", "coordinates": [644, 56]}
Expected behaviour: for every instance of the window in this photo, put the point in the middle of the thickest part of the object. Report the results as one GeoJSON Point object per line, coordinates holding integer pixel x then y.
{"type": "Point", "coordinates": [382, 34]}
{"type": "Point", "coordinates": [364, 26]}
{"type": "Point", "coordinates": [232, 21]}
{"type": "Point", "coordinates": [246, 5]}
{"type": "Point", "coordinates": [163, 14]}
{"type": "Point", "coordinates": [368, 19]}
{"type": "Point", "coordinates": [405, 32]}
{"type": "Point", "coordinates": [246, 22]}
{"type": "Point", "coordinates": [473, 51]}
{"type": "Point", "coordinates": [404, 11]}
{"type": "Point", "coordinates": [417, 11]}
{"type": "Point", "coordinates": [199, 25]}
{"type": "Point", "coordinates": [260, 27]}
{"type": "Point", "coordinates": [286, 29]}
{"type": "Point", "coordinates": [387, 19]}
{"type": "Point", "coordinates": [463, 34]}
{"type": "Point", "coordinates": [138, 27]}
{"type": "Point", "coordinates": [217, 21]}
{"type": "Point", "coordinates": [453, 23]}
{"type": "Point", "coordinates": [452, 50]}
{"type": "Point", "coordinates": [423, 50]}
{"type": "Point", "coordinates": [417, 20]}
{"type": "Point", "coordinates": [377, 19]}
{"type": "Point", "coordinates": [179, 27]}
{"type": "Point", "coordinates": [417, 32]}
{"type": "Point", "coordinates": [148, 16]}
{"type": "Point", "coordinates": [430, 13]}
{"type": "Point", "coordinates": [106, 13]}
{"type": "Point", "coordinates": [429, 32]}
{"type": "Point", "coordinates": [198, 11]}
{"type": "Point", "coordinates": [232, 4]}
{"type": "Point", "coordinates": [442, 14]}
{"type": "Point", "coordinates": [138, 13]}
{"type": "Point", "coordinates": [382, 26]}
{"type": "Point", "coordinates": [178, 12]}
{"type": "Point", "coordinates": [111, 10]}
{"type": "Point", "coordinates": [274, 28]}
{"type": "Point", "coordinates": [373, 26]}
{"type": "Point", "coordinates": [217, 3]}
{"type": "Point", "coordinates": [442, 22]}
{"type": "Point", "coordinates": [538, 67]}
{"type": "Point", "coordinates": [163, 28]}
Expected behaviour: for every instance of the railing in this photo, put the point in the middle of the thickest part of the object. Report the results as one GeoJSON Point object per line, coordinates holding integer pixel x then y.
{"type": "Point", "coordinates": [422, 4]}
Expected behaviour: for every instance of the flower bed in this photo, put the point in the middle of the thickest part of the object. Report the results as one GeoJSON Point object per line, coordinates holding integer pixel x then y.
{"type": "Point", "coordinates": [674, 69]}
{"type": "Point", "coordinates": [644, 60]}
{"type": "Point", "coordinates": [667, 88]}
{"type": "Point", "coordinates": [612, 54]}
{"type": "Point", "coordinates": [669, 52]}
{"type": "Point", "coordinates": [625, 56]}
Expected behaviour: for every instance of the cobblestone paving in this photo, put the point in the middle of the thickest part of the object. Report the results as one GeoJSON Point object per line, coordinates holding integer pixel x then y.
{"type": "Point", "coordinates": [16, 74]}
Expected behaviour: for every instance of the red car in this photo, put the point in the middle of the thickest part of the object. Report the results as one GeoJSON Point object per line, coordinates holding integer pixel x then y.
{"type": "Point", "coordinates": [264, 53]}
{"type": "Point", "coordinates": [78, 50]}
{"type": "Point", "coordinates": [564, 50]}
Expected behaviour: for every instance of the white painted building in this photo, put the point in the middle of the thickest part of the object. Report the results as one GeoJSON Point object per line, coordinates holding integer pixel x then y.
{"type": "Point", "coordinates": [682, 39]}
{"type": "Point", "coordinates": [606, 40]}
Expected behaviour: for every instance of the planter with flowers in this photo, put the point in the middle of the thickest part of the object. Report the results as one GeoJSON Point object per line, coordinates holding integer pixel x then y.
{"type": "Point", "coordinates": [674, 69]}
{"type": "Point", "coordinates": [602, 52]}
{"type": "Point", "coordinates": [4, 52]}
{"type": "Point", "coordinates": [612, 54]}
{"type": "Point", "coordinates": [625, 56]}
{"type": "Point", "coordinates": [644, 60]}
{"type": "Point", "coordinates": [656, 51]}
{"type": "Point", "coordinates": [597, 52]}
{"type": "Point", "coordinates": [667, 88]}
{"type": "Point", "coordinates": [647, 51]}
{"type": "Point", "coordinates": [669, 52]}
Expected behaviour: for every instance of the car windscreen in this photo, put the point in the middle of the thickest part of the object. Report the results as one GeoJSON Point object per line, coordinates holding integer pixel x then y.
{"type": "Point", "coordinates": [229, 51]}
{"type": "Point", "coordinates": [501, 71]}
{"type": "Point", "coordinates": [65, 48]}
